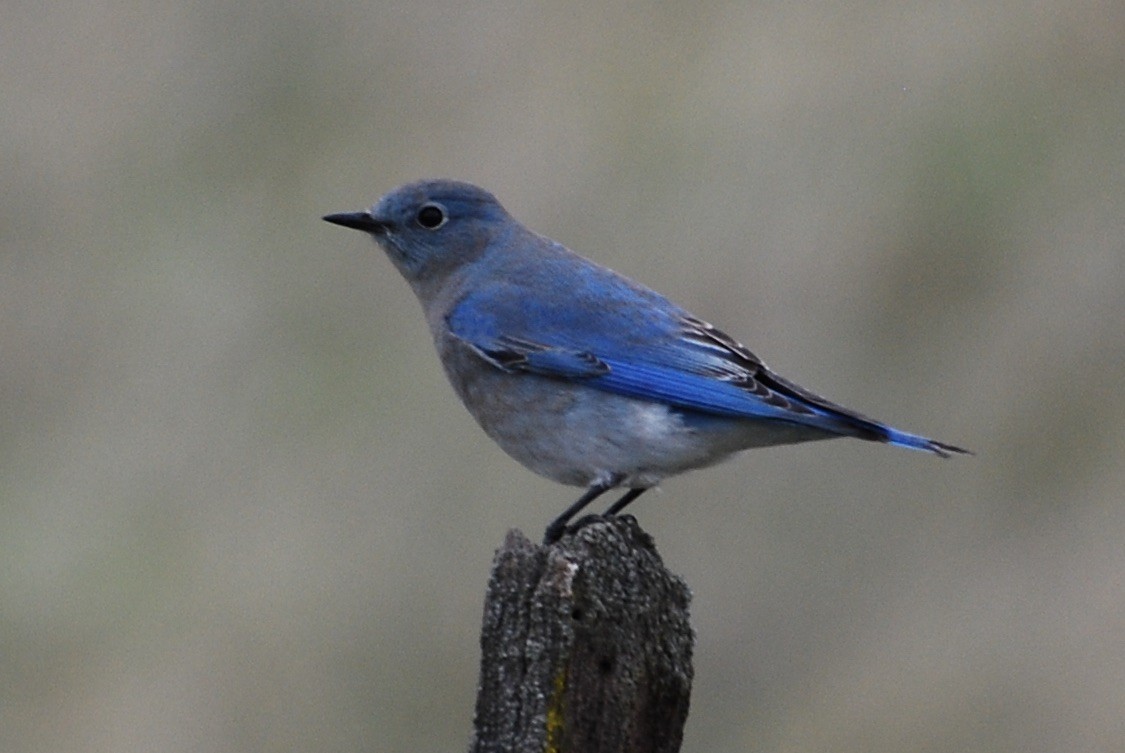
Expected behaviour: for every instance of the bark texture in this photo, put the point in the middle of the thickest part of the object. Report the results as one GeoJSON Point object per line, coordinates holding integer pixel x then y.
{"type": "Point", "coordinates": [586, 646]}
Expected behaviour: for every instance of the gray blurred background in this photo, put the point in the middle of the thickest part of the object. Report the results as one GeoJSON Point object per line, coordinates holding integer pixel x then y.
{"type": "Point", "coordinates": [242, 511]}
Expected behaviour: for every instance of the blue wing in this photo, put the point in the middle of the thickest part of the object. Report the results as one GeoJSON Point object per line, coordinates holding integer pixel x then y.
{"type": "Point", "coordinates": [666, 356]}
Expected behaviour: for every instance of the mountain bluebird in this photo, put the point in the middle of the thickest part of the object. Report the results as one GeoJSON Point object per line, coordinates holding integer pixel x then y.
{"type": "Point", "coordinates": [577, 372]}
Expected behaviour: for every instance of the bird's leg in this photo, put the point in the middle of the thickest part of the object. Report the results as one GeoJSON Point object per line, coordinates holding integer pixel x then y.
{"type": "Point", "coordinates": [558, 525]}
{"type": "Point", "coordinates": [626, 498]}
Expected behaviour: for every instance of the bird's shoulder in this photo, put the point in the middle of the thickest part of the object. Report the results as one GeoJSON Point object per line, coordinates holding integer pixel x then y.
{"type": "Point", "coordinates": [534, 286]}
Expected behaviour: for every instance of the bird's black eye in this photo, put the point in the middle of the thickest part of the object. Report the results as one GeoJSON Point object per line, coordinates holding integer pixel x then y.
{"type": "Point", "coordinates": [432, 216]}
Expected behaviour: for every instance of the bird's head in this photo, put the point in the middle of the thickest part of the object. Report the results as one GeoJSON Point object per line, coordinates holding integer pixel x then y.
{"type": "Point", "coordinates": [430, 228]}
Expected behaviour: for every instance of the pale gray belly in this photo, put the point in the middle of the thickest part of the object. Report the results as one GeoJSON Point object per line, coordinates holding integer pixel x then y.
{"type": "Point", "coordinates": [577, 435]}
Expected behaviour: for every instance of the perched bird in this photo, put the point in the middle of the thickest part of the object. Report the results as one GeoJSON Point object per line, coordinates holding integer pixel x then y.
{"type": "Point", "coordinates": [577, 372]}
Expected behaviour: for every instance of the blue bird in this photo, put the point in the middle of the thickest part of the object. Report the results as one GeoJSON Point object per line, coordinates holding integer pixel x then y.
{"type": "Point", "coordinates": [577, 372]}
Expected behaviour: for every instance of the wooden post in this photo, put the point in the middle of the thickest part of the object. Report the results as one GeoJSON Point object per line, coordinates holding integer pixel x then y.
{"type": "Point", "coordinates": [586, 646]}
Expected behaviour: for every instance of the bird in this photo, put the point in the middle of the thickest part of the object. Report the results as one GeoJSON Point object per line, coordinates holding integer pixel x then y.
{"type": "Point", "coordinates": [577, 372]}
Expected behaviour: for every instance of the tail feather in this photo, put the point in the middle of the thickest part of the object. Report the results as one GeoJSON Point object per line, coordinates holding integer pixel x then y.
{"type": "Point", "coordinates": [837, 418]}
{"type": "Point", "coordinates": [925, 444]}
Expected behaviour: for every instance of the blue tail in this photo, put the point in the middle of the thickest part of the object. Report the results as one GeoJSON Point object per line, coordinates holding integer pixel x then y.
{"type": "Point", "coordinates": [915, 442]}
{"type": "Point", "coordinates": [837, 418]}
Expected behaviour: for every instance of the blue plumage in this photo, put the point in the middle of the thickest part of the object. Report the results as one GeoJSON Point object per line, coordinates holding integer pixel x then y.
{"type": "Point", "coordinates": [578, 372]}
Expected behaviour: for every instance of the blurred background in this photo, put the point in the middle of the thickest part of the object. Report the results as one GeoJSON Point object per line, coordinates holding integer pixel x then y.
{"type": "Point", "coordinates": [242, 511]}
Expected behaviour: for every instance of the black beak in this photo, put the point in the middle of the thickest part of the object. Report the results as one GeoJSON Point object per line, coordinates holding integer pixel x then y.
{"type": "Point", "coordinates": [358, 221]}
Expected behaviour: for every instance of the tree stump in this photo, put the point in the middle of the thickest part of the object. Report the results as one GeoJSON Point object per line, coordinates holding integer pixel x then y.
{"type": "Point", "coordinates": [585, 647]}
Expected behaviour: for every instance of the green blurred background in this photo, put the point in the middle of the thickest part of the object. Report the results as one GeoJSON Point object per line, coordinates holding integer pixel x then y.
{"type": "Point", "coordinates": [242, 511]}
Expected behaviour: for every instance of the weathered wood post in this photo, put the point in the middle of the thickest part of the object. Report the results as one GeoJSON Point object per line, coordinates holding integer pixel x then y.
{"type": "Point", "coordinates": [586, 646]}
